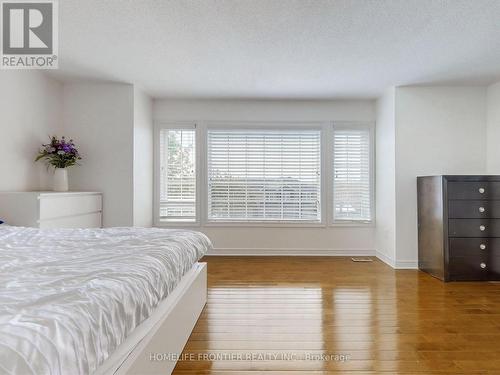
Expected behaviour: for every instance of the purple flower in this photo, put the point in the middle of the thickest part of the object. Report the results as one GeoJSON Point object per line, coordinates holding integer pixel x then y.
{"type": "Point", "coordinates": [59, 153]}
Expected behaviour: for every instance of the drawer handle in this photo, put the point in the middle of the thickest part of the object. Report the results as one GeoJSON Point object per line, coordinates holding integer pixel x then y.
{"type": "Point", "coordinates": [481, 190]}
{"type": "Point", "coordinates": [483, 265]}
{"type": "Point", "coordinates": [482, 209]}
{"type": "Point", "coordinates": [482, 246]}
{"type": "Point", "coordinates": [482, 228]}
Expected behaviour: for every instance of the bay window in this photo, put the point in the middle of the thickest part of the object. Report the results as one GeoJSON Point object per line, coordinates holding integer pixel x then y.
{"type": "Point", "coordinates": [261, 174]}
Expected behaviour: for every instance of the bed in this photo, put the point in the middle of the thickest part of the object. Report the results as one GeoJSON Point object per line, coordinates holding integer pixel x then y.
{"type": "Point", "coordinates": [94, 301]}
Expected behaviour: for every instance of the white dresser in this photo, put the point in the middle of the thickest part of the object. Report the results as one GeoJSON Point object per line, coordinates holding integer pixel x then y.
{"type": "Point", "coordinates": [51, 209]}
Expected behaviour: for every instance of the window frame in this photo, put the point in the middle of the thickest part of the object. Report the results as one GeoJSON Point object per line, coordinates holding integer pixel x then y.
{"type": "Point", "coordinates": [177, 125]}
{"type": "Point", "coordinates": [366, 125]}
{"type": "Point", "coordinates": [274, 125]}
{"type": "Point", "coordinates": [201, 128]}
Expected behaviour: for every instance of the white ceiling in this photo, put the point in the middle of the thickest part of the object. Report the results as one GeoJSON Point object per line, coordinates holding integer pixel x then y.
{"type": "Point", "coordinates": [279, 48]}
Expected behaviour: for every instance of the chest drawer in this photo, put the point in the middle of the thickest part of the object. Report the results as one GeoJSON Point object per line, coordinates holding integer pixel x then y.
{"type": "Point", "coordinates": [474, 227]}
{"type": "Point", "coordinates": [469, 268]}
{"type": "Point", "coordinates": [467, 247]}
{"type": "Point", "coordinates": [92, 220]}
{"type": "Point", "coordinates": [473, 190]}
{"type": "Point", "coordinates": [474, 209]}
{"type": "Point", "coordinates": [55, 206]}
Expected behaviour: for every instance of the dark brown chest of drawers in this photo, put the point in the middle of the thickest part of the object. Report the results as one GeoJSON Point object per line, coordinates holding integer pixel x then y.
{"type": "Point", "coordinates": [459, 227]}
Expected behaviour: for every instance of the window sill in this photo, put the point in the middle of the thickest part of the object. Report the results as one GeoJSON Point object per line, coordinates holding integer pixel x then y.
{"type": "Point", "coordinates": [354, 224]}
{"type": "Point", "coordinates": [180, 224]}
{"type": "Point", "coordinates": [264, 224]}
{"type": "Point", "coordinates": [176, 224]}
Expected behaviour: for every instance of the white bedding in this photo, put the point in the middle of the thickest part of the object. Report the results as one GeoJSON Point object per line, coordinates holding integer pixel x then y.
{"type": "Point", "coordinates": [69, 297]}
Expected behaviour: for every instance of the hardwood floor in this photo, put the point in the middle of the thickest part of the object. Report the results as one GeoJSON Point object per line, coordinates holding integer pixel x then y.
{"type": "Point", "coordinates": [281, 314]}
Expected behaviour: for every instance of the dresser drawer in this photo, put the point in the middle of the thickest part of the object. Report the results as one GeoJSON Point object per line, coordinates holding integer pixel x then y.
{"type": "Point", "coordinates": [469, 268]}
{"type": "Point", "coordinates": [54, 206]}
{"type": "Point", "coordinates": [93, 220]}
{"type": "Point", "coordinates": [462, 247]}
{"type": "Point", "coordinates": [474, 227]}
{"type": "Point", "coordinates": [473, 190]}
{"type": "Point", "coordinates": [474, 209]}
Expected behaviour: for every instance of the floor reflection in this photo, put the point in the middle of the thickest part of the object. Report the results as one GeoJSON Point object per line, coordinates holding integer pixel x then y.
{"type": "Point", "coordinates": [265, 326]}
{"type": "Point", "coordinates": [307, 314]}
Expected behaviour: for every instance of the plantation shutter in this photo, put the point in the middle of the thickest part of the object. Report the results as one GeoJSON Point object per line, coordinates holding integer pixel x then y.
{"type": "Point", "coordinates": [177, 175]}
{"type": "Point", "coordinates": [264, 175]}
{"type": "Point", "coordinates": [352, 197]}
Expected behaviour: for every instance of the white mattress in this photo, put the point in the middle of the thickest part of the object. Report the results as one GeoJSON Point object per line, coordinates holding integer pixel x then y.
{"type": "Point", "coordinates": [69, 297]}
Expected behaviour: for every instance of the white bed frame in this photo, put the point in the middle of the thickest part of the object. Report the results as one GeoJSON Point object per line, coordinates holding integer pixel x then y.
{"type": "Point", "coordinates": [164, 333]}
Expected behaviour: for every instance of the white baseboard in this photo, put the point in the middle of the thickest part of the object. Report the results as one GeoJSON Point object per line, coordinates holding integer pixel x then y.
{"type": "Point", "coordinates": [406, 265]}
{"type": "Point", "coordinates": [290, 252]}
{"type": "Point", "coordinates": [387, 260]}
{"type": "Point", "coordinates": [398, 264]}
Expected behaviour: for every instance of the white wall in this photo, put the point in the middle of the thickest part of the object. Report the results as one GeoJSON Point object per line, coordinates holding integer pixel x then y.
{"type": "Point", "coordinates": [439, 130]}
{"type": "Point", "coordinates": [100, 118]}
{"type": "Point", "coordinates": [30, 110]}
{"type": "Point", "coordinates": [385, 167]}
{"type": "Point", "coordinates": [143, 159]}
{"type": "Point", "coordinates": [493, 128]}
{"type": "Point", "coordinates": [420, 131]}
{"type": "Point", "coordinates": [290, 240]}
{"type": "Point", "coordinates": [262, 110]}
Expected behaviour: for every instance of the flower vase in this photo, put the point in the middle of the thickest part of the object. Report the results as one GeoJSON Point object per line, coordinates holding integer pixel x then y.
{"type": "Point", "coordinates": [60, 179]}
